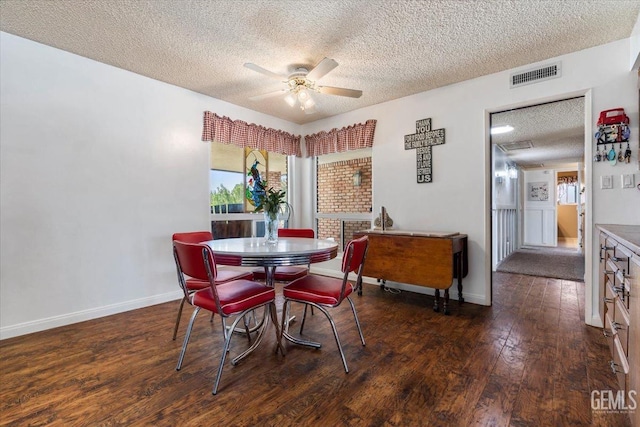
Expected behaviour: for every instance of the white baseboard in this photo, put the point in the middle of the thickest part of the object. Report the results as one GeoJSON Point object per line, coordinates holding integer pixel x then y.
{"type": "Point", "coordinates": [468, 297]}
{"type": "Point", "coordinates": [81, 316]}
{"type": "Point", "coordinates": [596, 321]}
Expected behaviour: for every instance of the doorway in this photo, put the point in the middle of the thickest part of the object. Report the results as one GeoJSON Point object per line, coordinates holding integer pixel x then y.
{"type": "Point", "coordinates": [537, 175]}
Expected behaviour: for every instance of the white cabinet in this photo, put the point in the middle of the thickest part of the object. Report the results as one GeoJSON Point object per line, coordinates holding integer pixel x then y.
{"type": "Point", "coordinates": [620, 290]}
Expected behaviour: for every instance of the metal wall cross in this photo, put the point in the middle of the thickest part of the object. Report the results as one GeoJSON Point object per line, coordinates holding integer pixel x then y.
{"type": "Point", "coordinates": [423, 140]}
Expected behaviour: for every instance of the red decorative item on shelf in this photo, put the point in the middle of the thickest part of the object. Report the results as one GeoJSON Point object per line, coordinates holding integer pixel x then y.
{"type": "Point", "coordinates": [615, 116]}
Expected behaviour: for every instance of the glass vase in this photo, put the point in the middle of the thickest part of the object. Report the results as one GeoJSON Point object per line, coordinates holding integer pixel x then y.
{"type": "Point", "coordinates": [271, 224]}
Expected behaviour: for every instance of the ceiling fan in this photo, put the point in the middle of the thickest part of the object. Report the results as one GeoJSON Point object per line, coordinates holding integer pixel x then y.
{"type": "Point", "coordinates": [301, 83]}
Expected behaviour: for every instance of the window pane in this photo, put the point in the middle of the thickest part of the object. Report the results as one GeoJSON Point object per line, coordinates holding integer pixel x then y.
{"type": "Point", "coordinates": [227, 191]}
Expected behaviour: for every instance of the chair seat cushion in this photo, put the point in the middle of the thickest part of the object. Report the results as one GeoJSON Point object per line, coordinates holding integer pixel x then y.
{"type": "Point", "coordinates": [318, 289]}
{"type": "Point", "coordinates": [282, 274]}
{"type": "Point", "coordinates": [196, 284]}
{"type": "Point", "coordinates": [223, 276]}
{"type": "Point", "coordinates": [235, 297]}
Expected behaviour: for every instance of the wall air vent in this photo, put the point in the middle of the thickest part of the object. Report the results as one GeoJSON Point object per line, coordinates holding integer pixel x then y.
{"type": "Point", "coordinates": [513, 146]}
{"type": "Point", "coordinates": [548, 72]}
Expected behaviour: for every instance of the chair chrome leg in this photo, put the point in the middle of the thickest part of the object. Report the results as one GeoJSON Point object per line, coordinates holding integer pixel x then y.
{"type": "Point", "coordinates": [175, 328]}
{"type": "Point", "coordinates": [355, 316]}
{"type": "Point", "coordinates": [285, 327]}
{"type": "Point", "coordinates": [335, 334]}
{"type": "Point", "coordinates": [227, 341]}
{"type": "Point", "coordinates": [274, 318]}
{"type": "Point", "coordinates": [186, 338]}
{"type": "Point", "coordinates": [304, 317]}
{"type": "Point", "coordinates": [257, 340]}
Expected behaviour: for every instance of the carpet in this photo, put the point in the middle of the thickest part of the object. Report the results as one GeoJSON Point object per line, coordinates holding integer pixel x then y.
{"type": "Point", "coordinates": [556, 263]}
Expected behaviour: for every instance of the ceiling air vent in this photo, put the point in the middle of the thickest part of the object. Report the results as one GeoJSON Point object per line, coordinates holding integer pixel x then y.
{"type": "Point", "coordinates": [518, 145]}
{"type": "Point", "coordinates": [538, 75]}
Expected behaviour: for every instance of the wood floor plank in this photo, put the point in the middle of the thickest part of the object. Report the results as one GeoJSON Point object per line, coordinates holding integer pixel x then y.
{"type": "Point", "coordinates": [527, 360]}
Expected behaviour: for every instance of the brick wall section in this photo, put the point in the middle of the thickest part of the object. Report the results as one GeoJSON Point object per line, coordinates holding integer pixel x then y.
{"type": "Point", "coordinates": [337, 194]}
{"type": "Point", "coordinates": [273, 180]}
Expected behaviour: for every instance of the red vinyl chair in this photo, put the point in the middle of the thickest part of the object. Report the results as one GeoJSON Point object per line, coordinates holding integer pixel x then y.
{"type": "Point", "coordinates": [223, 276]}
{"type": "Point", "coordinates": [325, 292]}
{"type": "Point", "coordinates": [288, 273]}
{"type": "Point", "coordinates": [233, 298]}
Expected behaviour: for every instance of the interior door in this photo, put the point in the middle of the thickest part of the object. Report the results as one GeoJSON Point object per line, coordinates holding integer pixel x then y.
{"type": "Point", "coordinates": [540, 216]}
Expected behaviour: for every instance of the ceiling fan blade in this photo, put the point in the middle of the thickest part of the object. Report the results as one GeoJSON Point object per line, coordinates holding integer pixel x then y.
{"type": "Point", "coordinates": [264, 71]}
{"type": "Point", "coordinates": [268, 95]}
{"type": "Point", "coordinates": [329, 90]}
{"type": "Point", "coordinates": [321, 69]}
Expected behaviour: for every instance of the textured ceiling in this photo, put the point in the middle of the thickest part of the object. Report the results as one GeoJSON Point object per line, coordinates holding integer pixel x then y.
{"type": "Point", "coordinates": [555, 131]}
{"type": "Point", "coordinates": [388, 49]}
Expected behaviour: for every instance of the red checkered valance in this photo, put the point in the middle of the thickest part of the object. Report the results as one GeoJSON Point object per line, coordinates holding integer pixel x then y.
{"type": "Point", "coordinates": [243, 134]}
{"type": "Point", "coordinates": [336, 141]}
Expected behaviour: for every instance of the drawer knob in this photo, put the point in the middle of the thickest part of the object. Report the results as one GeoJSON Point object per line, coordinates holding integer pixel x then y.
{"type": "Point", "coordinates": [607, 333]}
{"type": "Point", "coordinates": [608, 300]}
{"type": "Point", "coordinates": [614, 367]}
{"type": "Point", "coordinates": [617, 326]}
{"type": "Point", "coordinates": [620, 290]}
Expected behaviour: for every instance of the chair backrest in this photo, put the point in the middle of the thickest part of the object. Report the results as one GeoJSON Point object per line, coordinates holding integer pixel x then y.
{"type": "Point", "coordinates": [195, 260]}
{"type": "Point", "coordinates": [354, 255]}
{"type": "Point", "coordinates": [296, 232]}
{"type": "Point", "coordinates": [193, 236]}
{"type": "Point", "coordinates": [353, 260]}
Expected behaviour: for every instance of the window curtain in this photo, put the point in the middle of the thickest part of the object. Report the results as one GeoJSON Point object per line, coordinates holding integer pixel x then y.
{"type": "Point", "coordinates": [243, 134]}
{"type": "Point", "coordinates": [336, 141]}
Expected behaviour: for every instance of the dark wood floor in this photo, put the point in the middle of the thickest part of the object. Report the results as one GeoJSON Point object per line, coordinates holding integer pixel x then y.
{"type": "Point", "coordinates": [528, 360]}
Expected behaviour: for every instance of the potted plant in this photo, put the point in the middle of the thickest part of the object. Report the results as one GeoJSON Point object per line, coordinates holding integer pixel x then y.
{"type": "Point", "coordinates": [273, 203]}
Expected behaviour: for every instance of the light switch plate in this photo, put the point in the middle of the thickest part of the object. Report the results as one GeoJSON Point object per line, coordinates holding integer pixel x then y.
{"type": "Point", "coordinates": [606, 182]}
{"type": "Point", "coordinates": [627, 180]}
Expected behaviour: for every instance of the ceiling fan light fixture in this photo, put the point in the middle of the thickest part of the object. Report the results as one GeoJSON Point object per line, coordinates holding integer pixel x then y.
{"type": "Point", "coordinates": [303, 95]}
{"type": "Point", "coordinates": [308, 102]}
{"type": "Point", "coordinates": [290, 99]}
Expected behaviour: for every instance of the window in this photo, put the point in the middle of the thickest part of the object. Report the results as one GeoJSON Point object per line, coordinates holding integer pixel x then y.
{"type": "Point", "coordinates": [229, 177]}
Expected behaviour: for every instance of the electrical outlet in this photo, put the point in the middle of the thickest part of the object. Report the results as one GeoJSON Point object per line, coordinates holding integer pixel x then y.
{"type": "Point", "coordinates": [606, 182]}
{"type": "Point", "coordinates": [627, 180]}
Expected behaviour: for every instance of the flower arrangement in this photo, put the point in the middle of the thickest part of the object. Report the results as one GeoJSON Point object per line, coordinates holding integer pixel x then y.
{"type": "Point", "coordinates": [271, 202]}
{"type": "Point", "coordinates": [268, 200]}
{"type": "Point", "coordinates": [264, 199]}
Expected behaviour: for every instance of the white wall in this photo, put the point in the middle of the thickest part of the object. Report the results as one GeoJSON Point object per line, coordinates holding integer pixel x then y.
{"type": "Point", "coordinates": [458, 198]}
{"type": "Point", "coordinates": [99, 166]}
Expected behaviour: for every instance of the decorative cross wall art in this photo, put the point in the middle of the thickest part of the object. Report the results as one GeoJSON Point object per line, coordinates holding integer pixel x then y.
{"type": "Point", "coordinates": [423, 140]}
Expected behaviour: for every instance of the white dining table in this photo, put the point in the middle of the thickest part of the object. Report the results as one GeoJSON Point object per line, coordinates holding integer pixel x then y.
{"type": "Point", "coordinates": [256, 252]}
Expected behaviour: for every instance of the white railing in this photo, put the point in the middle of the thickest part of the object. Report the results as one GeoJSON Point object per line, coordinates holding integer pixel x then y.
{"type": "Point", "coordinates": [505, 234]}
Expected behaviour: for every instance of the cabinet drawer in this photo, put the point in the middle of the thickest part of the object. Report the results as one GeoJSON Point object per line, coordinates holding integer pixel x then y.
{"type": "Point", "coordinates": [619, 364]}
{"type": "Point", "coordinates": [609, 297]}
{"type": "Point", "coordinates": [621, 325]}
{"type": "Point", "coordinates": [621, 256]}
{"type": "Point", "coordinates": [610, 332]}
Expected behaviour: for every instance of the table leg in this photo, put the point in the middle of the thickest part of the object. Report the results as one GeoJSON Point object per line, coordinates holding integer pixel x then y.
{"type": "Point", "coordinates": [459, 270]}
{"type": "Point", "coordinates": [446, 302]}
{"type": "Point", "coordinates": [436, 303]}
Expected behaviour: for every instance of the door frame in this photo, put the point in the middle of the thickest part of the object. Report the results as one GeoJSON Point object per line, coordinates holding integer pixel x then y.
{"type": "Point", "coordinates": [591, 291]}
